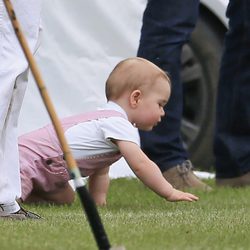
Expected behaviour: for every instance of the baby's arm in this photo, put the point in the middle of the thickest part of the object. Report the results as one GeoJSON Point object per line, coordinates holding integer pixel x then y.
{"type": "Point", "coordinates": [149, 173]}
{"type": "Point", "coordinates": [98, 186]}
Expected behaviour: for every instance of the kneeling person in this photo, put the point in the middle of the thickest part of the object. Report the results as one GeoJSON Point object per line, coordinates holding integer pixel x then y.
{"type": "Point", "coordinates": [136, 90]}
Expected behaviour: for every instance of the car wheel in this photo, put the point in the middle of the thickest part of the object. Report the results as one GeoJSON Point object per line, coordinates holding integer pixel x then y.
{"type": "Point", "coordinates": [200, 68]}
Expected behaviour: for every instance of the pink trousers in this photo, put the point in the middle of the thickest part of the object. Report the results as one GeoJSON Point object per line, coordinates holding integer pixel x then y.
{"type": "Point", "coordinates": [42, 166]}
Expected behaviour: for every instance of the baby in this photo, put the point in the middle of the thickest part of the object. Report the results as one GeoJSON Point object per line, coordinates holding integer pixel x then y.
{"type": "Point", "coordinates": [136, 90]}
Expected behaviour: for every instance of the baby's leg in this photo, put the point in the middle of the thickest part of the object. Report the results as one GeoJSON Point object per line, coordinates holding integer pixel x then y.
{"type": "Point", "coordinates": [62, 196]}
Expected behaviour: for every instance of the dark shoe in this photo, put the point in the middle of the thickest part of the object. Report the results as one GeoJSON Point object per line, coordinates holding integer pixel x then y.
{"type": "Point", "coordinates": [241, 181]}
{"type": "Point", "coordinates": [182, 177]}
{"type": "Point", "coordinates": [20, 215]}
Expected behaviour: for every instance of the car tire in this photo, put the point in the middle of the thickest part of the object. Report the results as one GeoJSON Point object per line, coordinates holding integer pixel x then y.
{"type": "Point", "coordinates": [200, 70]}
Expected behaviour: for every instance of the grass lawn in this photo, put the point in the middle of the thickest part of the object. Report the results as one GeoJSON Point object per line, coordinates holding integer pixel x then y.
{"type": "Point", "coordinates": [138, 219]}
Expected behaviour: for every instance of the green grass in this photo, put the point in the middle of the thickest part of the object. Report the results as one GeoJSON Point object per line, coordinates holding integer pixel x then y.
{"type": "Point", "coordinates": [138, 219]}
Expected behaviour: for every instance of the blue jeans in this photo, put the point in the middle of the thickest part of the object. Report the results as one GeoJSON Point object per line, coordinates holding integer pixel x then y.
{"type": "Point", "coordinates": [232, 133]}
{"type": "Point", "coordinates": [167, 25]}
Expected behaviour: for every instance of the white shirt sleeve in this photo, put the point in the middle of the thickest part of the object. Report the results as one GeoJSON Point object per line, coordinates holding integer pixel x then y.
{"type": "Point", "coordinates": [119, 128]}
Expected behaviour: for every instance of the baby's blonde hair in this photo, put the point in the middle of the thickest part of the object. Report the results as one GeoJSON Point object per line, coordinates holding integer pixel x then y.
{"type": "Point", "coordinates": [131, 74]}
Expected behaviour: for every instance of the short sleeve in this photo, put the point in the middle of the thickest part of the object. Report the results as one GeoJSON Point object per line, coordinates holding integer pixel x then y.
{"type": "Point", "coordinates": [119, 128]}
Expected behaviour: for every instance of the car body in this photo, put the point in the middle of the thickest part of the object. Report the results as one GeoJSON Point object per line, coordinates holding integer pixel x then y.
{"type": "Point", "coordinates": [217, 9]}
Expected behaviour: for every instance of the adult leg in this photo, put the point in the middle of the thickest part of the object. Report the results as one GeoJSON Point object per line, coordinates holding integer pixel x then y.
{"type": "Point", "coordinates": [13, 78]}
{"type": "Point", "coordinates": [167, 25]}
{"type": "Point", "coordinates": [10, 177]}
{"type": "Point", "coordinates": [9, 163]}
{"type": "Point", "coordinates": [232, 134]}
{"type": "Point", "coordinates": [12, 88]}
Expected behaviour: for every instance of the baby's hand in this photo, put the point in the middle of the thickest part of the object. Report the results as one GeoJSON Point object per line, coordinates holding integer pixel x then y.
{"type": "Point", "coordinates": [178, 195]}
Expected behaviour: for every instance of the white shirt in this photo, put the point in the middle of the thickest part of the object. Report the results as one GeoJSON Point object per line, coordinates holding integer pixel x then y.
{"type": "Point", "coordinates": [94, 137]}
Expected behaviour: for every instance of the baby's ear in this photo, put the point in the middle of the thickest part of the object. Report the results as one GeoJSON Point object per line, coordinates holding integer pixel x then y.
{"type": "Point", "coordinates": [135, 97]}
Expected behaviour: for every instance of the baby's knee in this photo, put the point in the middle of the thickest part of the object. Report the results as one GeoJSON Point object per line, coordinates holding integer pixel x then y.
{"type": "Point", "coordinates": [66, 200]}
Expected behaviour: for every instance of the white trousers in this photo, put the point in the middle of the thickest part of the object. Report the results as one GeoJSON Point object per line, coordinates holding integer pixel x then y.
{"type": "Point", "coordinates": [13, 82]}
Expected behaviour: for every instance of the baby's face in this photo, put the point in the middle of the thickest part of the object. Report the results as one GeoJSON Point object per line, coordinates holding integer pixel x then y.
{"type": "Point", "coordinates": [150, 109]}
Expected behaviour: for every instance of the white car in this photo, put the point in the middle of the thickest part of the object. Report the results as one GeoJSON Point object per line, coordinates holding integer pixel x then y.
{"type": "Point", "coordinates": [83, 40]}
